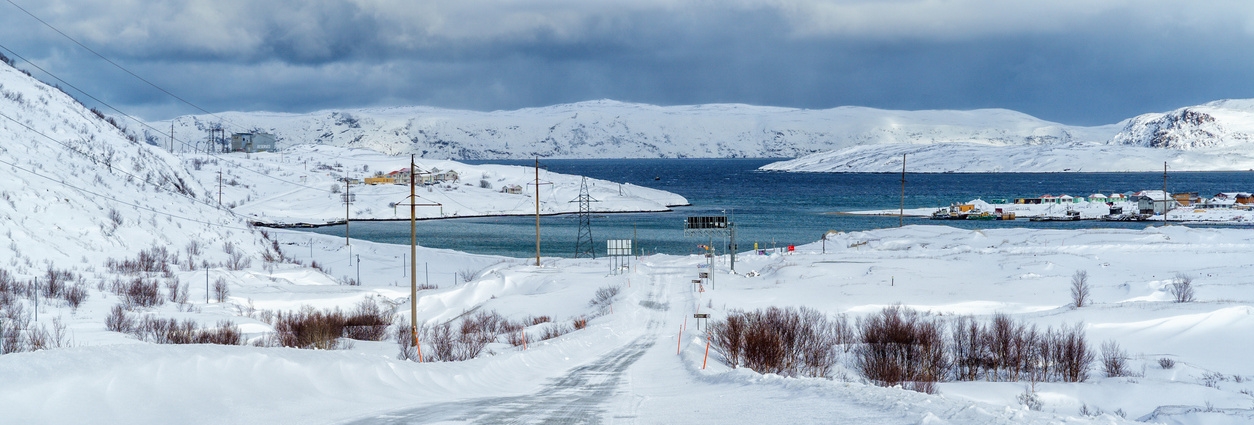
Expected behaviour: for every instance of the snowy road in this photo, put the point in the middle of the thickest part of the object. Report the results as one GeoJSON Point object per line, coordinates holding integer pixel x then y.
{"type": "Point", "coordinates": [637, 383]}
{"type": "Point", "coordinates": [576, 398]}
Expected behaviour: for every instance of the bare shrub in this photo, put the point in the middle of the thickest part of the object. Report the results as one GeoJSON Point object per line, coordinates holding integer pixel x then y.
{"type": "Point", "coordinates": [75, 295]}
{"type": "Point", "coordinates": [367, 321]}
{"type": "Point", "coordinates": [141, 292]}
{"type": "Point", "coordinates": [467, 274]}
{"type": "Point", "coordinates": [1080, 288]}
{"type": "Point", "coordinates": [901, 347]}
{"type": "Point", "coordinates": [55, 282]}
{"type": "Point", "coordinates": [1114, 359]}
{"type": "Point", "coordinates": [441, 340]}
{"type": "Point", "coordinates": [152, 260]}
{"type": "Point", "coordinates": [554, 330]}
{"type": "Point", "coordinates": [405, 341]}
{"type": "Point", "coordinates": [789, 342]}
{"type": "Point", "coordinates": [604, 296]}
{"type": "Point", "coordinates": [1074, 356]}
{"type": "Point", "coordinates": [310, 328]}
{"type": "Point", "coordinates": [1166, 363]}
{"type": "Point", "coordinates": [221, 290]}
{"type": "Point", "coordinates": [118, 320]}
{"type": "Point", "coordinates": [1182, 288]}
{"type": "Point", "coordinates": [580, 323]}
{"type": "Point", "coordinates": [1031, 400]}
{"type": "Point", "coordinates": [172, 331]}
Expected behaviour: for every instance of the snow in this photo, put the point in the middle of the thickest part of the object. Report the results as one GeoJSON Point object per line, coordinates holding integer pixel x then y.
{"type": "Point", "coordinates": [611, 129]}
{"type": "Point", "coordinates": [295, 187]}
{"type": "Point", "coordinates": [638, 360]}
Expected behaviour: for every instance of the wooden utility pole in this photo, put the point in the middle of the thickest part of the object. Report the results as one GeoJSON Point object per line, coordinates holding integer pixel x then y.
{"type": "Point", "coordinates": [901, 212]}
{"type": "Point", "coordinates": [413, 262]}
{"type": "Point", "coordinates": [347, 200]}
{"type": "Point", "coordinates": [1165, 192]}
{"type": "Point", "coordinates": [537, 211]}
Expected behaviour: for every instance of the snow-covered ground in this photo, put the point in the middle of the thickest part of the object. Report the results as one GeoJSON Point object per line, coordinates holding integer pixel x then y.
{"type": "Point", "coordinates": [303, 184]}
{"type": "Point", "coordinates": [79, 199]}
{"type": "Point", "coordinates": [111, 378]}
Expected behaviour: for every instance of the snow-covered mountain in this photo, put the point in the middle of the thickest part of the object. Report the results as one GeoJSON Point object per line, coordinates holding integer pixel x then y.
{"type": "Point", "coordinates": [609, 129]}
{"type": "Point", "coordinates": [1211, 137]}
{"type": "Point", "coordinates": [1220, 124]}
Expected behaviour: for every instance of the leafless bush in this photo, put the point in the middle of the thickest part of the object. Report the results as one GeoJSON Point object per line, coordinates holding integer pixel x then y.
{"type": "Point", "coordinates": [1074, 356]}
{"type": "Point", "coordinates": [118, 320]}
{"type": "Point", "coordinates": [790, 342]}
{"type": "Point", "coordinates": [1031, 400]}
{"type": "Point", "coordinates": [554, 330]}
{"type": "Point", "coordinates": [54, 282]}
{"type": "Point", "coordinates": [1080, 288]}
{"type": "Point", "coordinates": [1114, 359]}
{"type": "Point", "coordinates": [152, 260]}
{"type": "Point", "coordinates": [141, 292]}
{"type": "Point", "coordinates": [901, 347]}
{"type": "Point", "coordinates": [405, 341]}
{"type": "Point", "coordinates": [1166, 363]}
{"type": "Point", "coordinates": [75, 295]}
{"type": "Point", "coordinates": [426, 286]}
{"type": "Point", "coordinates": [310, 328]}
{"type": "Point", "coordinates": [467, 274]}
{"type": "Point", "coordinates": [221, 290]}
{"type": "Point", "coordinates": [367, 322]}
{"type": "Point", "coordinates": [1182, 288]}
{"type": "Point", "coordinates": [441, 340]}
{"type": "Point", "coordinates": [580, 323]}
{"type": "Point", "coordinates": [604, 296]}
{"type": "Point", "coordinates": [172, 331]}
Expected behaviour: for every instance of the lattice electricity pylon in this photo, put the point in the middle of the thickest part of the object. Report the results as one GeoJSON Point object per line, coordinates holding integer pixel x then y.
{"type": "Point", "coordinates": [583, 242]}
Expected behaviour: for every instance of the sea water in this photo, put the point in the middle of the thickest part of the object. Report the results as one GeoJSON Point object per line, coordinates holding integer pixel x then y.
{"type": "Point", "coordinates": [771, 209]}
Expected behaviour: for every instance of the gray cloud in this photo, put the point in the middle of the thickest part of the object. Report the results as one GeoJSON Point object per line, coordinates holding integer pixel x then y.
{"type": "Point", "coordinates": [1080, 62]}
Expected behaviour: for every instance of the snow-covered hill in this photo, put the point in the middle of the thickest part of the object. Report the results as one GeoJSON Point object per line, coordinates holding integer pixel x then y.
{"type": "Point", "coordinates": [609, 129]}
{"type": "Point", "coordinates": [304, 184]}
{"type": "Point", "coordinates": [1211, 137]}
{"type": "Point", "coordinates": [76, 191]}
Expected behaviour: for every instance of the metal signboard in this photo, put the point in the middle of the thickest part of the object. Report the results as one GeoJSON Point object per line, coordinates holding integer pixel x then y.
{"type": "Point", "coordinates": [618, 247]}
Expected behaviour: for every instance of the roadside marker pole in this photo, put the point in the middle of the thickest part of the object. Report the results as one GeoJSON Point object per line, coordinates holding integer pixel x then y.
{"type": "Point", "coordinates": [524, 338]}
{"type": "Point", "coordinates": [707, 355]}
{"type": "Point", "coordinates": [679, 341]}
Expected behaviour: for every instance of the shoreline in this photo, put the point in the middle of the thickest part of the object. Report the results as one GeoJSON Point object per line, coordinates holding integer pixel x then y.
{"type": "Point", "coordinates": [303, 225]}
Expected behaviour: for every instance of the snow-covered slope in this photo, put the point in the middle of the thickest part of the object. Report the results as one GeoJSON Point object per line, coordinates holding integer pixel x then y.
{"type": "Point", "coordinates": [75, 190]}
{"type": "Point", "coordinates": [609, 129]}
{"type": "Point", "coordinates": [1211, 137]}
{"type": "Point", "coordinates": [304, 185]}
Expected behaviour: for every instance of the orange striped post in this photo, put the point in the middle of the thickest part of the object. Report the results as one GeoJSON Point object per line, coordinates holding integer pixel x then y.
{"type": "Point", "coordinates": [679, 341]}
{"type": "Point", "coordinates": [707, 355]}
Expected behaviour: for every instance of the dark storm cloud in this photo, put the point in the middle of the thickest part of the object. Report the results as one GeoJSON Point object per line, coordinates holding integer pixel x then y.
{"type": "Point", "coordinates": [1089, 62]}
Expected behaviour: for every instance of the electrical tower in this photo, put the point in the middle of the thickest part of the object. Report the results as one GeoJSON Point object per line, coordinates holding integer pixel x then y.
{"type": "Point", "coordinates": [583, 242]}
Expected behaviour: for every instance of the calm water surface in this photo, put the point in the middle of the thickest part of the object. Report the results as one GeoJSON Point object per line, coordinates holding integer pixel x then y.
{"type": "Point", "coordinates": [770, 208]}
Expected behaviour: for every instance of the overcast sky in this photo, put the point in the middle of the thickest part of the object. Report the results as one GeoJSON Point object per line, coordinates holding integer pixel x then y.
{"type": "Point", "coordinates": [1073, 61]}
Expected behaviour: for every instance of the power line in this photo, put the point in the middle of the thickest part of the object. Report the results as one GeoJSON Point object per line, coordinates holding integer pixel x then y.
{"type": "Point", "coordinates": [110, 198]}
{"type": "Point", "coordinates": [157, 131]}
{"type": "Point", "coordinates": [95, 159]}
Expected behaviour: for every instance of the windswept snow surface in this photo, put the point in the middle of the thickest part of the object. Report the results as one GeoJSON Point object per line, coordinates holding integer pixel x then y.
{"type": "Point", "coordinates": [623, 367]}
{"type": "Point", "coordinates": [303, 184]}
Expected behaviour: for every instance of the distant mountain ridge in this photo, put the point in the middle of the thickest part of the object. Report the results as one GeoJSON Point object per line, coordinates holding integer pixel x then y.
{"type": "Point", "coordinates": [611, 129]}
{"type": "Point", "coordinates": [1212, 136]}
